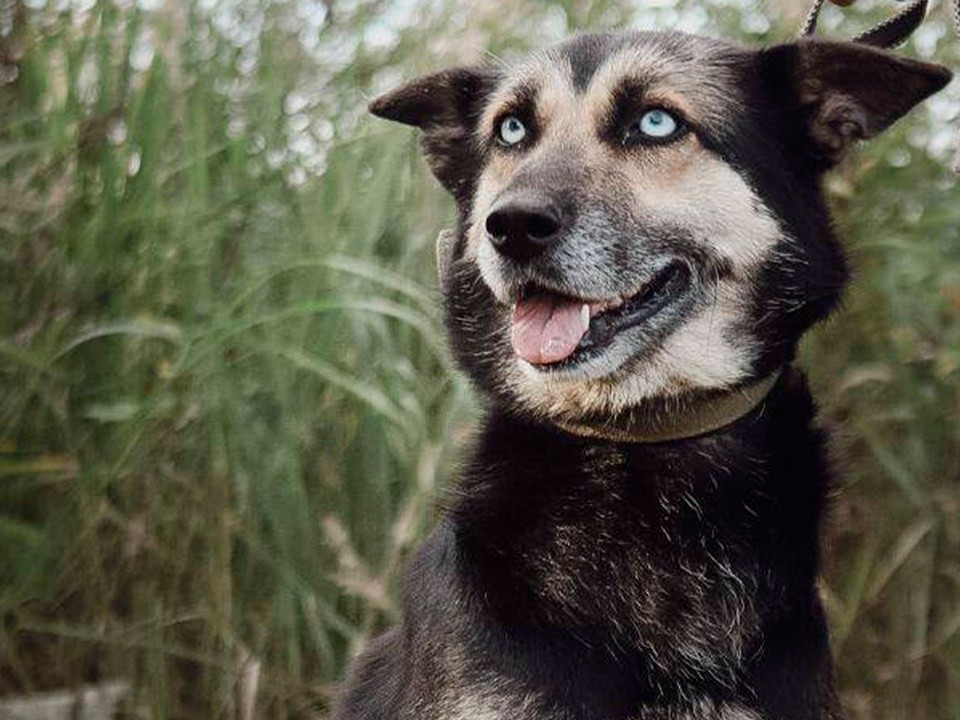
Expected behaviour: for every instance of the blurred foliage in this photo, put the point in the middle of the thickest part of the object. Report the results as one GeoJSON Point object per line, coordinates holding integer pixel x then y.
{"type": "Point", "coordinates": [226, 410]}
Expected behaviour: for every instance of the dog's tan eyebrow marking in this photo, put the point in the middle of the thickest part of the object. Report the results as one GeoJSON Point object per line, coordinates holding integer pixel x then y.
{"type": "Point", "coordinates": [638, 64]}
{"type": "Point", "coordinates": [693, 82]}
{"type": "Point", "coordinates": [523, 101]}
{"type": "Point", "coordinates": [544, 77]}
{"type": "Point", "coordinates": [629, 95]}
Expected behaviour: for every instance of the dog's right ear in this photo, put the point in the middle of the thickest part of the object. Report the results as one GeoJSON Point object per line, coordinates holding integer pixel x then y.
{"type": "Point", "coordinates": [446, 106]}
{"type": "Point", "coordinates": [843, 92]}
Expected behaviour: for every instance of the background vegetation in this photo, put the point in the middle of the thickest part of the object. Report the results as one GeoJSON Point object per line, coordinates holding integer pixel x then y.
{"type": "Point", "coordinates": [226, 410]}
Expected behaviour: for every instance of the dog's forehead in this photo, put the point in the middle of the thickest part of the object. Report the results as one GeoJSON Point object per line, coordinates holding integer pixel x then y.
{"type": "Point", "coordinates": [701, 71]}
{"type": "Point", "coordinates": [650, 55]}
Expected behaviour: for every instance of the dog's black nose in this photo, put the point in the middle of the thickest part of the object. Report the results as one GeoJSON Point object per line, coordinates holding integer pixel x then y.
{"type": "Point", "coordinates": [523, 228]}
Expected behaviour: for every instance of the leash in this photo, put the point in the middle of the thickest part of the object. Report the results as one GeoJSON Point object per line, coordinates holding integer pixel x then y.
{"type": "Point", "coordinates": [681, 419]}
{"type": "Point", "coordinates": [888, 34]}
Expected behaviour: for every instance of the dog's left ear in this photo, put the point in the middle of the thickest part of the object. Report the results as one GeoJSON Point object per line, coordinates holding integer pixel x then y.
{"type": "Point", "coordinates": [846, 92]}
{"type": "Point", "coordinates": [446, 106]}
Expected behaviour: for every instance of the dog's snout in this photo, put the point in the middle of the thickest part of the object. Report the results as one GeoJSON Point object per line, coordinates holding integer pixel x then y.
{"type": "Point", "coordinates": [523, 228]}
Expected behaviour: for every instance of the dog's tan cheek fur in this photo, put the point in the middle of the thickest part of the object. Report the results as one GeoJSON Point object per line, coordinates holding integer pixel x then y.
{"type": "Point", "coordinates": [490, 184]}
{"type": "Point", "coordinates": [479, 250]}
{"type": "Point", "coordinates": [713, 202]}
{"type": "Point", "coordinates": [717, 208]}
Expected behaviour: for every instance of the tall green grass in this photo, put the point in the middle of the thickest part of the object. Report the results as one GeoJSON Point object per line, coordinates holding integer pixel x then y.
{"type": "Point", "coordinates": [226, 408]}
{"type": "Point", "coordinates": [225, 402]}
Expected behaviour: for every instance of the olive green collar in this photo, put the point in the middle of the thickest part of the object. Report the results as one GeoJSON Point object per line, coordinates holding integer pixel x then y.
{"type": "Point", "coordinates": [680, 419]}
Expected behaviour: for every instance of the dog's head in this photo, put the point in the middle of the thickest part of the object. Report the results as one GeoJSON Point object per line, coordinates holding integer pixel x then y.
{"type": "Point", "coordinates": [640, 215]}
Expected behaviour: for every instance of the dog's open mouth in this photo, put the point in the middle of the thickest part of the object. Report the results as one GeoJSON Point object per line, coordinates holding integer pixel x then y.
{"type": "Point", "coordinates": [550, 329]}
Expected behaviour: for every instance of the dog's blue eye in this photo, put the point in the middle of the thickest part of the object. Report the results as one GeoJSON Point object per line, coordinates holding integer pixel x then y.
{"type": "Point", "coordinates": [658, 123]}
{"type": "Point", "coordinates": [512, 130]}
{"type": "Point", "coordinates": [655, 125]}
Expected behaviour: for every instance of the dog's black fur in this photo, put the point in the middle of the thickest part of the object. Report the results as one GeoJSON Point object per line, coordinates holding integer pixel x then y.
{"type": "Point", "coordinates": [661, 548]}
{"type": "Point", "coordinates": [588, 579]}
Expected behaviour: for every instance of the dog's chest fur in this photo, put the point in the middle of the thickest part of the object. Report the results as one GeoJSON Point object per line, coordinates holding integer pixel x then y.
{"type": "Point", "coordinates": [582, 580]}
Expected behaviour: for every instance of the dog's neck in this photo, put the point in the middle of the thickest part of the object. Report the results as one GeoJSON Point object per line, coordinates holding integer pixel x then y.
{"type": "Point", "coordinates": [680, 550]}
{"type": "Point", "coordinates": [677, 418]}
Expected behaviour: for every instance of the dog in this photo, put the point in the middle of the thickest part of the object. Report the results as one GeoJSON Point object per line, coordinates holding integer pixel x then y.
{"type": "Point", "coordinates": [642, 239]}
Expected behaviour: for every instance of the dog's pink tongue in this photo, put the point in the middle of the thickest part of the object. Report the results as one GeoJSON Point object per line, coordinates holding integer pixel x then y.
{"type": "Point", "coordinates": [548, 328]}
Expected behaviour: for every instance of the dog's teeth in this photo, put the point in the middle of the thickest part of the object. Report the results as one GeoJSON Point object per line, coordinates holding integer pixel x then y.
{"type": "Point", "coordinates": [585, 315]}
